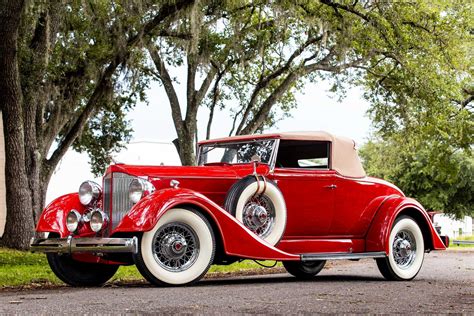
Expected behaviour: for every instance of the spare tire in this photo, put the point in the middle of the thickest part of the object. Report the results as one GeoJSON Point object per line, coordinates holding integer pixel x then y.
{"type": "Point", "coordinates": [260, 206]}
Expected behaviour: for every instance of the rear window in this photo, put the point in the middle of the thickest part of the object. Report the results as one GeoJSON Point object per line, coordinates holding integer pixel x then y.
{"type": "Point", "coordinates": [303, 154]}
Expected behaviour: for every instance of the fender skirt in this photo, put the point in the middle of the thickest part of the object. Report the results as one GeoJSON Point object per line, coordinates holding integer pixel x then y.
{"type": "Point", "coordinates": [378, 235]}
{"type": "Point", "coordinates": [236, 238]}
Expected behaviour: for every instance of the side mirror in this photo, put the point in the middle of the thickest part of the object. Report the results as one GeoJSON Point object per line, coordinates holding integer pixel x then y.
{"type": "Point", "coordinates": [256, 160]}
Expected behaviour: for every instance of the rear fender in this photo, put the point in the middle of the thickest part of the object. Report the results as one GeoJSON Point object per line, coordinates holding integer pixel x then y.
{"type": "Point", "coordinates": [378, 235]}
{"type": "Point", "coordinates": [236, 238]}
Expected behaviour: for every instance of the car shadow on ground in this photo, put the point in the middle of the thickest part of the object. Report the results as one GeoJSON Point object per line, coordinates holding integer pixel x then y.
{"type": "Point", "coordinates": [262, 279]}
{"type": "Point", "coordinates": [286, 279]}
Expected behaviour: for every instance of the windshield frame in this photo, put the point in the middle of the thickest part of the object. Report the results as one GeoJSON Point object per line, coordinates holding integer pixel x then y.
{"type": "Point", "coordinates": [271, 161]}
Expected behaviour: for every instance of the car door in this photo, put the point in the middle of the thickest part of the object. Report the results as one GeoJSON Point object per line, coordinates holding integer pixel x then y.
{"type": "Point", "coordinates": [307, 184]}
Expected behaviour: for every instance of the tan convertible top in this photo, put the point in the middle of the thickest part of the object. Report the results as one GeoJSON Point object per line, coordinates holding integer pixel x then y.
{"type": "Point", "coordinates": [344, 157]}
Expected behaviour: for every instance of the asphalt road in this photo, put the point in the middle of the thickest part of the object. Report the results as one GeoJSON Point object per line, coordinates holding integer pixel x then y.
{"type": "Point", "coordinates": [444, 285]}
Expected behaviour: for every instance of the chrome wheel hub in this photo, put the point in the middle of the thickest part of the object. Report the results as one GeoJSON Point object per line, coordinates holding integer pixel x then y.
{"type": "Point", "coordinates": [175, 247]}
{"type": "Point", "coordinates": [404, 249]}
{"type": "Point", "coordinates": [259, 215]}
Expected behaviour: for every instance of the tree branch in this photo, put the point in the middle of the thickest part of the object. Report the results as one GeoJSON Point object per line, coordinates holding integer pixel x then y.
{"type": "Point", "coordinates": [106, 77]}
{"type": "Point", "coordinates": [168, 85]}
{"type": "Point", "coordinates": [265, 81]}
{"type": "Point", "coordinates": [261, 115]}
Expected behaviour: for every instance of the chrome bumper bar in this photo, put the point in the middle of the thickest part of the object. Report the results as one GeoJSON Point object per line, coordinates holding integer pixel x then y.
{"type": "Point", "coordinates": [85, 245]}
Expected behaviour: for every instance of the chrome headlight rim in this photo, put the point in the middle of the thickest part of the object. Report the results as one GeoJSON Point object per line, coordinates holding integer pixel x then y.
{"type": "Point", "coordinates": [139, 188]}
{"type": "Point", "coordinates": [89, 192]}
{"type": "Point", "coordinates": [98, 220]}
{"type": "Point", "coordinates": [73, 220]}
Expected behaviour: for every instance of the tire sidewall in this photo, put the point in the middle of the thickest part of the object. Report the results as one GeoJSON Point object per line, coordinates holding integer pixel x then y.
{"type": "Point", "coordinates": [276, 197]}
{"type": "Point", "coordinates": [406, 223]}
{"type": "Point", "coordinates": [206, 248]}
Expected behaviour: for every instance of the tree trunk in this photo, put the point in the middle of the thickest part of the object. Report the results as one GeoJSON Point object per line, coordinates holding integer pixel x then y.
{"type": "Point", "coordinates": [186, 146]}
{"type": "Point", "coordinates": [20, 225]}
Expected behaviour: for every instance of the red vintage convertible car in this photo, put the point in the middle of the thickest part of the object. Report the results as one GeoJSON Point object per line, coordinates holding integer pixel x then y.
{"type": "Point", "coordinates": [300, 198]}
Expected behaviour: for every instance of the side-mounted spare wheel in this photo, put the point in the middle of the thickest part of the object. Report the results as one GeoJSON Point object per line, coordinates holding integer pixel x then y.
{"type": "Point", "coordinates": [78, 273]}
{"type": "Point", "coordinates": [260, 206]}
{"type": "Point", "coordinates": [406, 251]}
{"type": "Point", "coordinates": [179, 250]}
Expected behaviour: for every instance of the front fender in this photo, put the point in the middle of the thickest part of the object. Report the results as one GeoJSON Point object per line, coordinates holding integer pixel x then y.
{"type": "Point", "coordinates": [378, 235]}
{"type": "Point", "coordinates": [236, 238]}
{"type": "Point", "coordinates": [53, 217]}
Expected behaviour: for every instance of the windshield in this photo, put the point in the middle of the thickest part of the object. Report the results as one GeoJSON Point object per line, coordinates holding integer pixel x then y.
{"type": "Point", "coordinates": [236, 152]}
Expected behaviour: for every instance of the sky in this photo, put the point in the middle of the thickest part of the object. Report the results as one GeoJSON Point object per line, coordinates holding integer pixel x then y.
{"type": "Point", "coordinates": [316, 110]}
{"type": "Point", "coordinates": [154, 130]}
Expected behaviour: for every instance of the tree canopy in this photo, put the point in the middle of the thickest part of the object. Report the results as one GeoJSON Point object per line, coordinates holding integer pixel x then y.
{"type": "Point", "coordinates": [438, 176]}
{"type": "Point", "coordinates": [412, 58]}
{"type": "Point", "coordinates": [73, 69]}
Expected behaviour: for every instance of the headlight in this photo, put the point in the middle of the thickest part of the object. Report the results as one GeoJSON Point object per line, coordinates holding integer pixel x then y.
{"type": "Point", "coordinates": [72, 220]}
{"type": "Point", "coordinates": [98, 220]}
{"type": "Point", "coordinates": [139, 188]}
{"type": "Point", "coordinates": [89, 192]}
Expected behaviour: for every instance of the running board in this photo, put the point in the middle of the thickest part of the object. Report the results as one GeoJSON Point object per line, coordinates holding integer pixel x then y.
{"type": "Point", "coordinates": [341, 255]}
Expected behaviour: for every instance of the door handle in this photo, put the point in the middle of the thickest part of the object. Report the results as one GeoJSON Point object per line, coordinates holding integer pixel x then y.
{"type": "Point", "coordinates": [331, 186]}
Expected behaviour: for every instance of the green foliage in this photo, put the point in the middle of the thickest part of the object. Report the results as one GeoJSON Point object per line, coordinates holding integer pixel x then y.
{"type": "Point", "coordinates": [65, 48]}
{"type": "Point", "coordinates": [438, 176]}
{"type": "Point", "coordinates": [421, 105]}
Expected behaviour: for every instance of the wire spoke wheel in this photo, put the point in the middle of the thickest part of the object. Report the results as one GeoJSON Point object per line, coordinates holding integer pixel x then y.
{"type": "Point", "coordinates": [406, 251]}
{"type": "Point", "coordinates": [179, 250]}
{"type": "Point", "coordinates": [176, 246]}
{"type": "Point", "coordinates": [259, 215]}
{"type": "Point", "coordinates": [259, 205]}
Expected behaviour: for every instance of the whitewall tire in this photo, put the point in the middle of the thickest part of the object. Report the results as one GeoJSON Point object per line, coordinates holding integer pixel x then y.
{"type": "Point", "coordinates": [260, 206]}
{"type": "Point", "coordinates": [178, 250]}
{"type": "Point", "coordinates": [406, 251]}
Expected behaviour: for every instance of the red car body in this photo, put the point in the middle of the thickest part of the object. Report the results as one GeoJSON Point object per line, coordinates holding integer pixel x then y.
{"type": "Point", "coordinates": [327, 213]}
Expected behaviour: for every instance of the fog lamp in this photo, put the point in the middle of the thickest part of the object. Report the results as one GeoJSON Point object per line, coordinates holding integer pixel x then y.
{"type": "Point", "coordinates": [72, 220]}
{"type": "Point", "coordinates": [98, 220]}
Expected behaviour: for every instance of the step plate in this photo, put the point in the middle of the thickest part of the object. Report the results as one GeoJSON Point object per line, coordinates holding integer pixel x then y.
{"type": "Point", "coordinates": [341, 256]}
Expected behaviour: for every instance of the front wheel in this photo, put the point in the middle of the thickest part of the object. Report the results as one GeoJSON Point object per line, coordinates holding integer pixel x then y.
{"type": "Point", "coordinates": [78, 273]}
{"type": "Point", "coordinates": [406, 251]}
{"type": "Point", "coordinates": [304, 270]}
{"type": "Point", "coordinates": [178, 250]}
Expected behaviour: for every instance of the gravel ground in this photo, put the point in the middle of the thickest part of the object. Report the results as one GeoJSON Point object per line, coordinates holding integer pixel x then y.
{"type": "Point", "coordinates": [444, 285]}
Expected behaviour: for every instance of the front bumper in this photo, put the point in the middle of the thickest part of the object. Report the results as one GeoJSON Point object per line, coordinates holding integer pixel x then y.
{"type": "Point", "coordinates": [85, 245]}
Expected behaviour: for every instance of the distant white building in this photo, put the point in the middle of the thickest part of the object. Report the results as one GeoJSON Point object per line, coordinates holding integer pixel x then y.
{"type": "Point", "coordinates": [453, 228]}
{"type": "Point", "coordinates": [74, 167]}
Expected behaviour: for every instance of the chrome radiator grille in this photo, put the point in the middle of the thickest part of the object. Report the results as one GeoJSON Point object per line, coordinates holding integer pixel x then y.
{"type": "Point", "coordinates": [116, 207]}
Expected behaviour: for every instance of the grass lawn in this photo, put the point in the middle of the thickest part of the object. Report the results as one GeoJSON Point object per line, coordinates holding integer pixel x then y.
{"type": "Point", "coordinates": [469, 238]}
{"type": "Point", "coordinates": [19, 268]}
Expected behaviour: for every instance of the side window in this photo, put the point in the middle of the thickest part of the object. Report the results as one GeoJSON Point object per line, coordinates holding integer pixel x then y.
{"type": "Point", "coordinates": [303, 154]}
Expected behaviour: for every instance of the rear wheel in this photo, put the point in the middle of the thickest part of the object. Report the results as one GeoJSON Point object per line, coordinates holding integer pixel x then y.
{"type": "Point", "coordinates": [78, 273]}
{"type": "Point", "coordinates": [179, 250]}
{"type": "Point", "coordinates": [304, 270]}
{"type": "Point", "coordinates": [406, 251]}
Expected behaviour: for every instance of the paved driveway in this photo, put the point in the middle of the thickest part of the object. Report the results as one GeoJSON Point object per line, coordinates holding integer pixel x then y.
{"type": "Point", "coordinates": [445, 284]}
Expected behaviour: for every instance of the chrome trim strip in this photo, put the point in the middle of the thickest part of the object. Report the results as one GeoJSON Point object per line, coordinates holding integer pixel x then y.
{"type": "Point", "coordinates": [273, 157]}
{"type": "Point", "coordinates": [85, 245]}
{"type": "Point", "coordinates": [340, 256]}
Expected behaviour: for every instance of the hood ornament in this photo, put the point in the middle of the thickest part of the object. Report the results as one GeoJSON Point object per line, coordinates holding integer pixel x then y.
{"type": "Point", "coordinates": [174, 183]}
